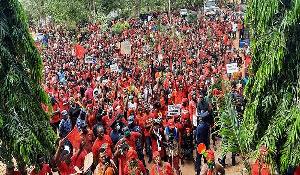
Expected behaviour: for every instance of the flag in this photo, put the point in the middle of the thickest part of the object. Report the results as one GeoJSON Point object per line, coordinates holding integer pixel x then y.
{"type": "Point", "coordinates": [79, 50]}
{"type": "Point", "coordinates": [74, 138]}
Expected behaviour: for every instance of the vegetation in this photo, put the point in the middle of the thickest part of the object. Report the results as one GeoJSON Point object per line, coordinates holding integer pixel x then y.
{"type": "Point", "coordinates": [24, 125]}
{"type": "Point", "coordinates": [271, 116]}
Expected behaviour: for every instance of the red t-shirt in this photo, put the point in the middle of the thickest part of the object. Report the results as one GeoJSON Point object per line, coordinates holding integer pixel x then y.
{"type": "Point", "coordinates": [167, 170]}
{"type": "Point", "coordinates": [141, 169]}
{"type": "Point", "coordinates": [264, 169]}
{"type": "Point", "coordinates": [88, 140]}
{"type": "Point", "coordinates": [56, 117]}
{"type": "Point", "coordinates": [65, 169]}
{"type": "Point", "coordinates": [132, 139]}
{"type": "Point", "coordinates": [46, 169]}
{"type": "Point", "coordinates": [79, 160]}
{"type": "Point", "coordinates": [98, 143]}
{"type": "Point", "coordinates": [148, 119]}
{"type": "Point", "coordinates": [297, 171]}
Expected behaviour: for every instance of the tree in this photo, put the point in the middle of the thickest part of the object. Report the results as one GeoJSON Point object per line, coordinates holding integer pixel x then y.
{"type": "Point", "coordinates": [24, 126]}
{"type": "Point", "coordinates": [272, 114]}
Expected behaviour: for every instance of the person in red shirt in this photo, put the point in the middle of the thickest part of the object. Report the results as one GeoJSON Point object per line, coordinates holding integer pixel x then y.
{"type": "Point", "coordinates": [185, 115]}
{"type": "Point", "coordinates": [134, 166]}
{"type": "Point", "coordinates": [88, 137]}
{"type": "Point", "coordinates": [261, 167]}
{"type": "Point", "coordinates": [44, 169]}
{"type": "Point", "coordinates": [66, 166]}
{"type": "Point", "coordinates": [131, 137]}
{"type": "Point", "coordinates": [55, 117]}
{"type": "Point", "coordinates": [157, 137]}
{"type": "Point", "coordinates": [160, 167]}
{"type": "Point", "coordinates": [101, 139]}
{"type": "Point", "coordinates": [148, 121]}
{"type": "Point", "coordinates": [10, 170]}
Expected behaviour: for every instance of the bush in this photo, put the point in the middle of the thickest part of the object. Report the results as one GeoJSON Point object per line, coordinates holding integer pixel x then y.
{"type": "Point", "coordinates": [118, 28]}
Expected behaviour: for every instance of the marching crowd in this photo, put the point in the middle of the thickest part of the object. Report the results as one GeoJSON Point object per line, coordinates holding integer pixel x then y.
{"type": "Point", "coordinates": [122, 113]}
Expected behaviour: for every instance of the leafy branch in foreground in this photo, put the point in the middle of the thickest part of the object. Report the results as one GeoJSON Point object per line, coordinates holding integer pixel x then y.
{"type": "Point", "coordinates": [24, 126]}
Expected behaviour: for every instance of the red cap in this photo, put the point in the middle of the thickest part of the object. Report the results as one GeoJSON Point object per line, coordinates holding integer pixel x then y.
{"type": "Point", "coordinates": [171, 123]}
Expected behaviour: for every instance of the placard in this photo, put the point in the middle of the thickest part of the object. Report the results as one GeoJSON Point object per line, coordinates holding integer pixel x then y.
{"type": "Point", "coordinates": [174, 110]}
{"type": "Point", "coordinates": [88, 59]}
{"type": "Point", "coordinates": [114, 67]}
{"type": "Point", "coordinates": [231, 68]}
{"type": "Point", "coordinates": [160, 57]}
{"type": "Point", "coordinates": [126, 47]}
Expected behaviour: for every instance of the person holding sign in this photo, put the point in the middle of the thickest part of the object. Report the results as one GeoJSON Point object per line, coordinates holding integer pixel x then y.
{"type": "Point", "coordinates": [172, 136]}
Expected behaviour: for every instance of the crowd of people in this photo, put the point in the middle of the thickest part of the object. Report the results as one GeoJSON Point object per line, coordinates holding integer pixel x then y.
{"type": "Point", "coordinates": [122, 115]}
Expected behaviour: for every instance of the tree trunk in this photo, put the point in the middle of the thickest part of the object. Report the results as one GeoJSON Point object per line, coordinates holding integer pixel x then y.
{"type": "Point", "coordinates": [136, 8]}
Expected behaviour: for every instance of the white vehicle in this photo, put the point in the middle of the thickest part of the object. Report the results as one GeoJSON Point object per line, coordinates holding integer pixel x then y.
{"type": "Point", "coordinates": [210, 8]}
{"type": "Point", "coordinates": [183, 12]}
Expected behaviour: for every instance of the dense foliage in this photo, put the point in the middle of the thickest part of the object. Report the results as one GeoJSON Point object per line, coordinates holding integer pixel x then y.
{"type": "Point", "coordinates": [66, 11]}
{"type": "Point", "coordinates": [271, 116]}
{"type": "Point", "coordinates": [24, 125]}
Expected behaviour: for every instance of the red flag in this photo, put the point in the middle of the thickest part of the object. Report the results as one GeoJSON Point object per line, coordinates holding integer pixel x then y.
{"type": "Point", "coordinates": [74, 138]}
{"type": "Point", "coordinates": [79, 50]}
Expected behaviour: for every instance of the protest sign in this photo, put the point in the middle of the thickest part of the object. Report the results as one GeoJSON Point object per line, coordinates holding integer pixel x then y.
{"type": "Point", "coordinates": [160, 57]}
{"type": "Point", "coordinates": [88, 59]}
{"type": "Point", "coordinates": [114, 67]}
{"type": "Point", "coordinates": [174, 110]}
{"type": "Point", "coordinates": [126, 47]}
{"type": "Point", "coordinates": [231, 68]}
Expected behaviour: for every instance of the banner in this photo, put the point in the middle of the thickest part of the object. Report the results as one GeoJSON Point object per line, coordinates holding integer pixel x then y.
{"type": "Point", "coordinates": [231, 68]}
{"type": "Point", "coordinates": [114, 67]}
{"type": "Point", "coordinates": [126, 47]}
{"type": "Point", "coordinates": [89, 59]}
{"type": "Point", "coordinates": [174, 110]}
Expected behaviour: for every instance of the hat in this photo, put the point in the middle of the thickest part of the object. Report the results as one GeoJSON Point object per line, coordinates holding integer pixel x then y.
{"type": "Point", "coordinates": [64, 112]}
{"type": "Point", "coordinates": [130, 119]}
{"type": "Point", "coordinates": [132, 153]}
{"type": "Point", "coordinates": [203, 113]}
{"type": "Point", "coordinates": [155, 154]}
{"type": "Point", "coordinates": [52, 99]}
{"type": "Point", "coordinates": [171, 123]}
